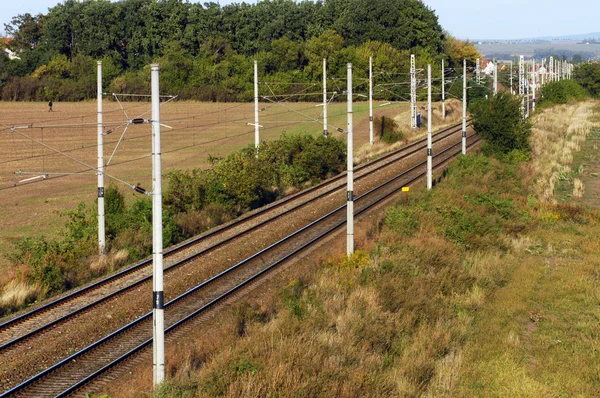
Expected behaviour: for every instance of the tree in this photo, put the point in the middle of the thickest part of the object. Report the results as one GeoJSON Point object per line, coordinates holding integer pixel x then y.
{"type": "Point", "coordinates": [458, 50]}
{"type": "Point", "coordinates": [403, 23]}
{"type": "Point", "coordinates": [25, 30]}
{"type": "Point", "coordinates": [285, 55]}
{"type": "Point", "coordinates": [210, 46]}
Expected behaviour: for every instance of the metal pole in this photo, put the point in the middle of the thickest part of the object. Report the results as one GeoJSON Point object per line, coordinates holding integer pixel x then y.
{"type": "Point", "coordinates": [413, 92]}
{"type": "Point", "coordinates": [533, 85]}
{"type": "Point", "coordinates": [443, 91]}
{"type": "Point", "coordinates": [545, 70]}
{"type": "Point", "coordinates": [350, 175]}
{"type": "Point", "coordinates": [101, 215]}
{"type": "Point", "coordinates": [521, 82]}
{"type": "Point", "coordinates": [157, 239]}
{"type": "Point", "coordinates": [371, 138]}
{"type": "Point", "coordinates": [478, 71]}
{"type": "Point", "coordinates": [256, 127]}
{"type": "Point", "coordinates": [325, 130]}
{"type": "Point", "coordinates": [511, 77]}
{"type": "Point", "coordinates": [464, 104]}
{"type": "Point", "coordinates": [495, 76]}
{"type": "Point", "coordinates": [562, 70]}
{"type": "Point", "coordinates": [429, 145]}
{"type": "Point", "coordinates": [527, 84]}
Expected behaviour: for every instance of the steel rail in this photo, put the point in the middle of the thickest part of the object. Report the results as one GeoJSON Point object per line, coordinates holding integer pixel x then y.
{"type": "Point", "coordinates": [214, 232]}
{"type": "Point", "coordinates": [120, 291]}
{"type": "Point", "coordinates": [133, 324]}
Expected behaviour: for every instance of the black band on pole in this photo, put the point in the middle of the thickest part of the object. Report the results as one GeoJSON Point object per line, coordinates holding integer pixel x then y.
{"type": "Point", "coordinates": [100, 192]}
{"type": "Point", "coordinates": [158, 300]}
{"type": "Point", "coordinates": [429, 152]}
{"type": "Point", "coordinates": [370, 118]}
{"type": "Point", "coordinates": [464, 134]}
{"type": "Point", "coordinates": [351, 196]}
{"type": "Point", "coordinates": [325, 133]}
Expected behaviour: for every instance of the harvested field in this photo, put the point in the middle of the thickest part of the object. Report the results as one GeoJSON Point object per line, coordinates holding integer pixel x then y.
{"type": "Point", "coordinates": [199, 130]}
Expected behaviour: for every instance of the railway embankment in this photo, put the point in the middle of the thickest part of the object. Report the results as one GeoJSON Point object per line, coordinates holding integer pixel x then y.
{"type": "Point", "coordinates": [484, 286]}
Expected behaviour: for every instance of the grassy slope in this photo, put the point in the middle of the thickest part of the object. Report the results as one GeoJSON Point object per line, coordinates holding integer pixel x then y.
{"type": "Point", "coordinates": [475, 289]}
{"type": "Point", "coordinates": [538, 336]}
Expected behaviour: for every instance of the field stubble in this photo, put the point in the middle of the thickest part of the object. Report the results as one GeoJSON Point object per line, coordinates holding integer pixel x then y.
{"type": "Point", "coordinates": [199, 130]}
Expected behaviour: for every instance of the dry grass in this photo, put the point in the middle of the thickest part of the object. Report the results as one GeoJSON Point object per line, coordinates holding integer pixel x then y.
{"type": "Point", "coordinates": [578, 188]}
{"type": "Point", "coordinates": [558, 132]}
{"type": "Point", "coordinates": [109, 262]}
{"type": "Point", "coordinates": [535, 331]}
{"type": "Point", "coordinates": [16, 294]}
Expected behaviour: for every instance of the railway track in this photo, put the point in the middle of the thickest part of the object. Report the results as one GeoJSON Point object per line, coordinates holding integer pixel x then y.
{"type": "Point", "coordinates": [135, 334]}
{"type": "Point", "coordinates": [44, 317]}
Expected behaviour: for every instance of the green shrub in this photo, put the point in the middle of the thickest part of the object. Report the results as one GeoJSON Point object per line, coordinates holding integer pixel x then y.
{"type": "Point", "coordinates": [588, 76]}
{"type": "Point", "coordinates": [388, 131]}
{"type": "Point", "coordinates": [498, 120]}
{"type": "Point", "coordinates": [562, 92]}
{"type": "Point", "coordinates": [39, 255]}
{"type": "Point", "coordinates": [291, 297]}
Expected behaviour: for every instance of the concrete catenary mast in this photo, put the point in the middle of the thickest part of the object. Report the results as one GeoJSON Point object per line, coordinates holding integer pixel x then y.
{"type": "Point", "coordinates": [101, 215]}
{"type": "Point", "coordinates": [429, 143]}
{"type": "Point", "coordinates": [350, 173]}
{"type": "Point", "coordinates": [325, 129]}
{"type": "Point", "coordinates": [158, 308]}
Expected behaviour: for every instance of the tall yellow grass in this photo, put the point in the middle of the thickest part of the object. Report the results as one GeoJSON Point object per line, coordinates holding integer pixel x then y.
{"type": "Point", "coordinates": [15, 294]}
{"type": "Point", "coordinates": [558, 133]}
{"type": "Point", "coordinates": [109, 262]}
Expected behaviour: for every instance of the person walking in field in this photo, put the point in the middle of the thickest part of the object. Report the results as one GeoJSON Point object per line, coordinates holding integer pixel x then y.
{"type": "Point", "coordinates": [50, 106]}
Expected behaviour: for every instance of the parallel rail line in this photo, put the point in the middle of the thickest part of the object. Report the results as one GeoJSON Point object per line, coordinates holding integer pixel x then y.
{"type": "Point", "coordinates": [31, 316]}
{"type": "Point", "coordinates": [72, 374]}
{"type": "Point", "coordinates": [135, 325]}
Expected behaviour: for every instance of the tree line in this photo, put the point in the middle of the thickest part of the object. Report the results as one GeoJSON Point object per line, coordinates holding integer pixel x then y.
{"type": "Point", "coordinates": [206, 51]}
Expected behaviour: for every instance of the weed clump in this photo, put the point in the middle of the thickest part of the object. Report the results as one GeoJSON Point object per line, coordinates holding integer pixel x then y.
{"type": "Point", "coordinates": [388, 130]}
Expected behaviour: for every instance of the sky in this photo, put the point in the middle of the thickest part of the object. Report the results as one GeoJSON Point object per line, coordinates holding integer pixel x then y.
{"type": "Point", "coordinates": [465, 19]}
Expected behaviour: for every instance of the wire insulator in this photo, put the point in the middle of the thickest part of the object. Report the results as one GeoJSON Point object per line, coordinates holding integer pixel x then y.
{"type": "Point", "coordinates": [138, 120]}
{"type": "Point", "coordinates": [139, 189]}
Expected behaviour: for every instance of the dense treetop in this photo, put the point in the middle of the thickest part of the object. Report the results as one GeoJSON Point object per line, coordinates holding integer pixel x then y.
{"type": "Point", "coordinates": [206, 50]}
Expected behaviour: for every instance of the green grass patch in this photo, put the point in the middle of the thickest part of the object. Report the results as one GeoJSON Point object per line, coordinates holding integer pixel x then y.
{"type": "Point", "coordinates": [583, 160]}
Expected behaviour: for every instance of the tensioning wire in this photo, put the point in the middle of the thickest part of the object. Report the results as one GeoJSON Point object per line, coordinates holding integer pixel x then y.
{"type": "Point", "coordinates": [71, 157]}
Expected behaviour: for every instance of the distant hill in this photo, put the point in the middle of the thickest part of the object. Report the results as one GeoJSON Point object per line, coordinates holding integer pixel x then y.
{"type": "Point", "coordinates": [594, 35]}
